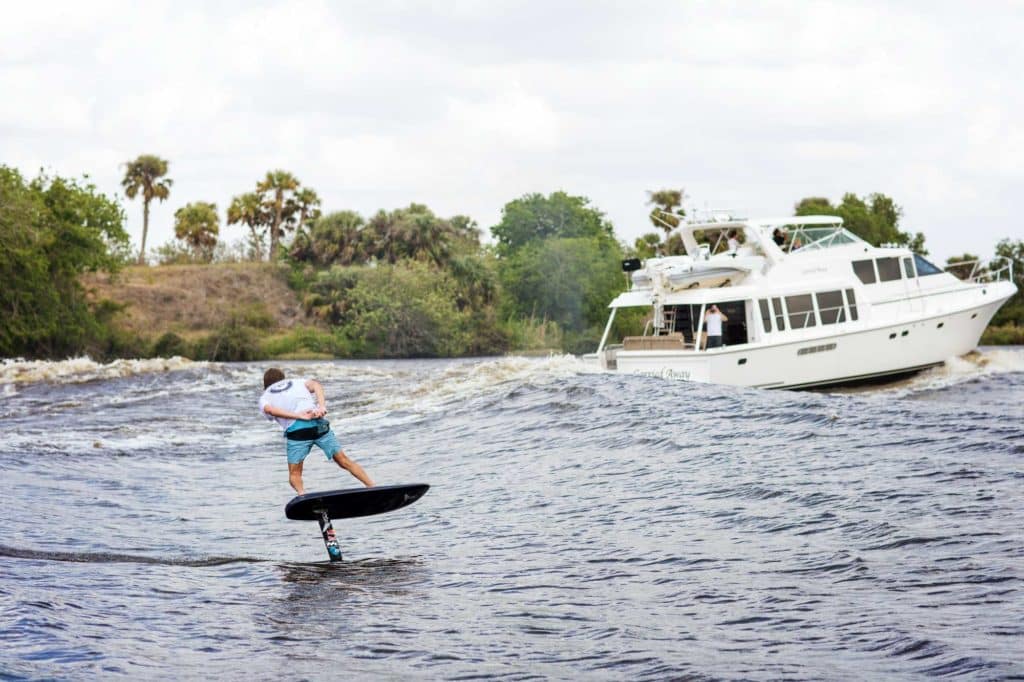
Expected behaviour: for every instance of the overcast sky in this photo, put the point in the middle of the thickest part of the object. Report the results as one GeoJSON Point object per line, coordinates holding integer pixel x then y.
{"type": "Point", "coordinates": [465, 106]}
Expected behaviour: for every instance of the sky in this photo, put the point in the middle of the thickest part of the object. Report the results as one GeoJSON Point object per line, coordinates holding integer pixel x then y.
{"type": "Point", "coordinates": [465, 106]}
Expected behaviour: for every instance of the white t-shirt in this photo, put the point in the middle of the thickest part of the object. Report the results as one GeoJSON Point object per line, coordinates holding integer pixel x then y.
{"type": "Point", "coordinates": [734, 244]}
{"type": "Point", "coordinates": [714, 321]}
{"type": "Point", "coordinates": [287, 394]}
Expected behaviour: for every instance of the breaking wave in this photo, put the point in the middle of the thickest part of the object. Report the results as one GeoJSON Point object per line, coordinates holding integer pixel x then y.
{"type": "Point", "coordinates": [463, 381]}
{"type": "Point", "coordinates": [83, 369]}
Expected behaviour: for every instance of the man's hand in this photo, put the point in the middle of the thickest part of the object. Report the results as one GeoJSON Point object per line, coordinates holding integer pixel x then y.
{"type": "Point", "coordinates": [319, 412]}
{"type": "Point", "coordinates": [308, 414]}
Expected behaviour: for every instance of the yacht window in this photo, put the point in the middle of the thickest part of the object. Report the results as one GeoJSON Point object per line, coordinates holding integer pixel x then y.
{"type": "Point", "coordinates": [865, 270]}
{"type": "Point", "coordinates": [924, 267]}
{"type": "Point", "coordinates": [830, 307]}
{"type": "Point", "coordinates": [780, 319]}
{"type": "Point", "coordinates": [888, 269]}
{"type": "Point", "coordinates": [851, 301]}
{"type": "Point", "coordinates": [908, 267]}
{"type": "Point", "coordinates": [766, 315]}
{"type": "Point", "coordinates": [801, 311]}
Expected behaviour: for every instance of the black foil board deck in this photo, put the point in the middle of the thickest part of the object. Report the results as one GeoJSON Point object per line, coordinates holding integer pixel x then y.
{"type": "Point", "coordinates": [353, 502]}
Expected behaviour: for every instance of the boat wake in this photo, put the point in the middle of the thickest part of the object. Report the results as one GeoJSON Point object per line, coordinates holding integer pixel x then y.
{"type": "Point", "coordinates": [463, 381]}
{"type": "Point", "coordinates": [84, 369]}
{"type": "Point", "coordinates": [955, 371]}
{"type": "Point", "coordinates": [114, 558]}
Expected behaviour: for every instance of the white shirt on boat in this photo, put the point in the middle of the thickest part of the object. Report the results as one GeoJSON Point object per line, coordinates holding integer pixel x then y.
{"type": "Point", "coordinates": [714, 321]}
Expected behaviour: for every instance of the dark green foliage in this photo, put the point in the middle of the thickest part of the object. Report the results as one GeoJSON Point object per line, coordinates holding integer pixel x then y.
{"type": "Point", "coordinates": [559, 262]}
{"type": "Point", "coordinates": [963, 266]}
{"type": "Point", "coordinates": [534, 217]}
{"type": "Point", "coordinates": [170, 344]}
{"type": "Point", "coordinates": [570, 281]}
{"type": "Point", "coordinates": [232, 342]}
{"type": "Point", "coordinates": [53, 230]}
{"type": "Point", "coordinates": [1012, 312]}
{"type": "Point", "coordinates": [646, 245]}
{"type": "Point", "coordinates": [414, 232]}
{"type": "Point", "coordinates": [875, 219]}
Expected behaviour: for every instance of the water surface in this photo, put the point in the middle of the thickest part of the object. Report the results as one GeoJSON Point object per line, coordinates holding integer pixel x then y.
{"type": "Point", "coordinates": [579, 525]}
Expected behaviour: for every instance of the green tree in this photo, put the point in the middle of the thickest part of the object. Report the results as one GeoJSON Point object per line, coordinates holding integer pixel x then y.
{"type": "Point", "coordinates": [568, 280]}
{"type": "Point", "coordinates": [249, 210]}
{"type": "Point", "coordinates": [875, 219]}
{"type": "Point", "coordinates": [646, 245]}
{"type": "Point", "coordinates": [198, 225]}
{"type": "Point", "coordinates": [336, 238]}
{"type": "Point", "coordinates": [413, 232]}
{"type": "Point", "coordinates": [534, 217]}
{"type": "Point", "coordinates": [465, 234]}
{"type": "Point", "coordinates": [304, 208]}
{"type": "Point", "coordinates": [144, 175]}
{"type": "Point", "coordinates": [54, 230]}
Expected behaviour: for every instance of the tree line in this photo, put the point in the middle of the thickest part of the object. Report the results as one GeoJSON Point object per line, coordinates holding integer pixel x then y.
{"type": "Point", "coordinates": [402, 282]}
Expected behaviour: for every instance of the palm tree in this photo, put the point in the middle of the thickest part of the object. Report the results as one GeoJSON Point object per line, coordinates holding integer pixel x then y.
{"type": "Point", "coordinates": [307, 203]}
{"type": "Point", "coordinates": [143, 175]}
{"type": "Point", "coordinates": [249, 210]}
{"type": "Point", "coordinates": [666, 202]}
{"type": "Point", "coordinates": [198, 225]}
{"type": "Point", "coordinates": [280, 210]}
{"type": "Point", "coordinates": [384, 236]}
{"type": "Point", "coordinates": [336, 238]}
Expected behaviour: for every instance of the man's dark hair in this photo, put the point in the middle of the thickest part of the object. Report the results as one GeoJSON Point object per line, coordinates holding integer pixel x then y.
{"type": "Point", "coordinates": [271, 377]}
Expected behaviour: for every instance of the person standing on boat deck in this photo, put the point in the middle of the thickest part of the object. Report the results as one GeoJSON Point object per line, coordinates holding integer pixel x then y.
{"type": "Point", "coordinates": [734, 242]}
{"type": "Point", "coordinates": [713, 320]}
{"type": "Point", "coordinates": [298, 405]}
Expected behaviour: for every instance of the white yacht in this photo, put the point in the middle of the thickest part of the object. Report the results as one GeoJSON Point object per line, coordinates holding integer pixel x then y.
{"type": "Point", "coordinates": [807, 303]}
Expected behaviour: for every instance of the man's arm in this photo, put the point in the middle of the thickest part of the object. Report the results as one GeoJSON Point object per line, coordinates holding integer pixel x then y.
{"type": "Point", "coordinates": [724, 318]}
{"type": "Point", "coordinates": [285, 414]}
{"type": "Point", "coordinates": [313, 386]}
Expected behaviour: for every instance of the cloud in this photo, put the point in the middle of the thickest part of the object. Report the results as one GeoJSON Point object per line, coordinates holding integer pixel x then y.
{"type": "Point", "coordinates": [468, 105]}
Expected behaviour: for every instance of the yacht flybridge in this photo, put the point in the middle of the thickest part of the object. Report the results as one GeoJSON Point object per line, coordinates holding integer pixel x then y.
{"type": "Point", "coordinates": [804, 301]}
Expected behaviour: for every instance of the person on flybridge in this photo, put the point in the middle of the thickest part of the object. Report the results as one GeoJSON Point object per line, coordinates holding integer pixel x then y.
{"type": "Point", "coordinates": [298, 405]}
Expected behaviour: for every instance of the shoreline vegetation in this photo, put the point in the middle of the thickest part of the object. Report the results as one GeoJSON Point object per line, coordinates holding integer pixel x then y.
{"type": "Point", "coordinates": [305, 284]}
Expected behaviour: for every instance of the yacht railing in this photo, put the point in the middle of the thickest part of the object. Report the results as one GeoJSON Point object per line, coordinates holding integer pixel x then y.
{"type": "Point", "coordinates": [998, 269]}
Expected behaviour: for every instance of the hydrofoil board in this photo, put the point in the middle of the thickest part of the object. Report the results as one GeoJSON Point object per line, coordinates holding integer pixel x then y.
{"type": "Point", "coordinates": [353, 502]}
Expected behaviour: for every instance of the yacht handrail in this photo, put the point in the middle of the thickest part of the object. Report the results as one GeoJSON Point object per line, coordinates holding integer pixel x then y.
{"type": "Point", "coordinates": [982, 272]}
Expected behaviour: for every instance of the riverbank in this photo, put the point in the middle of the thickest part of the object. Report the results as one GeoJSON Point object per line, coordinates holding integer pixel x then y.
{"type": "Point", "coordinates": [206, 312]}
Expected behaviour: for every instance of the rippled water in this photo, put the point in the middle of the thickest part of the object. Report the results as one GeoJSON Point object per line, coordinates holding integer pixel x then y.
{"type": "Point", "coordinates": [579, 525]}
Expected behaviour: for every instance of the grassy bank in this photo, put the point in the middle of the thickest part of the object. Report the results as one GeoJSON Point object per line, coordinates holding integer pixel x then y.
{"type": "Point", "coordinates": [226, 311]}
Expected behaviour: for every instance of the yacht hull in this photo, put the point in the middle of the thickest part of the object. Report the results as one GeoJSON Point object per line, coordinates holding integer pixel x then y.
{"type": "Point", "coordinates": [827, 359]}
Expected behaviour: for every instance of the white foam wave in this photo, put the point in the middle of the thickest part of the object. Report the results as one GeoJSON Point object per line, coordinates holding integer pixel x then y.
{"type": "Point", "coordinates": [957, 370]}
{"type": "Point", "coordinates": [462, 380]}
{"type": "Point", "coordinates": [79, 370]}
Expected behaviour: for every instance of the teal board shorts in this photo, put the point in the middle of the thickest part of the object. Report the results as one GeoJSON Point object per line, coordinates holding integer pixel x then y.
{"type": "Point", "coordinates": [299, 449]}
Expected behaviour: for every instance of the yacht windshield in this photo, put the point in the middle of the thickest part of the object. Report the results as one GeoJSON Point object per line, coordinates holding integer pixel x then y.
{"type": "Point", "coordinates": [804, 238]}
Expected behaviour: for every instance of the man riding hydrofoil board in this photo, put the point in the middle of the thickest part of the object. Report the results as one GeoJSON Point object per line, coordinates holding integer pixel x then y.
{"type": "Point", "coordinates": [298, 406]}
